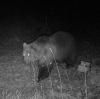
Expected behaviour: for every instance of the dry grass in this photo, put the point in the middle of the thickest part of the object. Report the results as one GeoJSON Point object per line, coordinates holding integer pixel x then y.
{"type": "Point", "coordinates": [16, 79]}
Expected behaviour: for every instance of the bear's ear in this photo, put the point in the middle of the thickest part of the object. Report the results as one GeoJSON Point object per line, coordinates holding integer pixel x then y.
{"type": "Point", "coordinates": [25, 45]}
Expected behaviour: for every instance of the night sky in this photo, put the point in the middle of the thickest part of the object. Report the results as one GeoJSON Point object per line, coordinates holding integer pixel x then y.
{"type": "Point", "coordinates": [82, 19]}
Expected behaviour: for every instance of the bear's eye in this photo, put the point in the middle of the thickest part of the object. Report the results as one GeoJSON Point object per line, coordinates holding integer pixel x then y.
{"type": "Point", "coordinates": [28, 54]}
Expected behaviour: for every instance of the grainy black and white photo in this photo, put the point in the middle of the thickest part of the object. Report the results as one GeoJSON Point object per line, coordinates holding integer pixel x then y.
{"type": "Point", "coordinates": [50, 50]}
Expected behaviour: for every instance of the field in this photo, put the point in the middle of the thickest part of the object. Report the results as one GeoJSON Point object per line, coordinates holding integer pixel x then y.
{"type": "Point", "coordinates": [17, 78]}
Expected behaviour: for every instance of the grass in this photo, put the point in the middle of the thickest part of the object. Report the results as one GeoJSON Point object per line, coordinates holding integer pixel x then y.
{"type": "Point", "coordinates": [16, 79]}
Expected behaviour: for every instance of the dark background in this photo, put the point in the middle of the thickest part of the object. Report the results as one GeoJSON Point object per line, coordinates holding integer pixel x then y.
{"type": "Point", "coordinates": [80, 18]}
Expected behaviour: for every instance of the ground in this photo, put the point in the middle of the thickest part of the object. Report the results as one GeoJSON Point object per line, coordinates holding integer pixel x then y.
{"type": "Point", "coordinates": [16, 78]}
